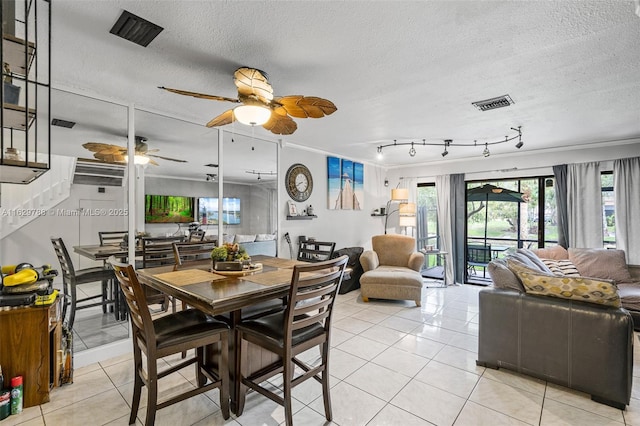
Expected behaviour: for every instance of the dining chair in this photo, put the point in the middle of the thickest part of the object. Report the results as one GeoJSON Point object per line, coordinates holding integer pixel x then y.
{"type": "Point", "coordinates": [112, 237]}
{"type": "Point", "coordinates": [158, 251]}
{"type": "Point", "coordinates": [197, 235]}
{"type": "Point", "coordinates": [315, 251]}
{"type": "Point", "coordinates": [304, 323]}
{"type": "Point", "coordinates": [189, 252]}
{"type": "Point", "coordinates": [478, 255]}
{"type": "Point", "coordinates": [72, 278]}
{"type": "Point", "coordinates": [168, 335]}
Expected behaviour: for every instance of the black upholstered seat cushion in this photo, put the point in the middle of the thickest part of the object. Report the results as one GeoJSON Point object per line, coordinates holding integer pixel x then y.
{"type": "Point", "coordinates": [272, 327]}
{"type": "Point", "coordinates": [90, 275]}
{"type": "Point", "coordinates": [183, 326]}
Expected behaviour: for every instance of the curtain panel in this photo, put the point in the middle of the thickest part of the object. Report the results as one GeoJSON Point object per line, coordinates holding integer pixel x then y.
{"type": "Point", "coordinates": [560, 173]}
{"type": "Point", "coordinates": [626, 187]}
{"type": "Point", "coordinates": [584, 205]}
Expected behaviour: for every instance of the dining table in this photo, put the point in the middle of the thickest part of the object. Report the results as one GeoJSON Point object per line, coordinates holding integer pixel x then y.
{"type": "Point", "coordinates": [228, 294]}
{"type": "Point", "coordinates": [102, 253]}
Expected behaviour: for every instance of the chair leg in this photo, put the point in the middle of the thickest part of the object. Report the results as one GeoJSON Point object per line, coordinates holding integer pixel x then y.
{"type": "Point", "coordinates": [326, 396]}
{"type": "Point", "coordinates": [137, 385]}
{"type": "Point", "coordinates": [152, 391]}
{"type": "Point", "coordinates": [72, 307]}
{"type": "Point", "coordinates": [288, 378]}
{"type": "Point", "coordinates": [105, 296]}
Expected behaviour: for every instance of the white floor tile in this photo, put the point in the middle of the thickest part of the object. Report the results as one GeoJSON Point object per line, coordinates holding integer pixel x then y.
{"type": "Point", "coordinates": [393, 416]}
{"type": "Point", "coordinates": [428, 402]}
{"type": "Point", "coordinates": [451, 379]}
{"type": "Point", "coordinates": [513, 402]}
{"type": "Point", "coordinates": [350, 405]}
{"type": "Point", "coordinates": [556, 413]}
{"type": "Point", "coordinates": [401, 361]}
{"type": "Point", "coordinates": [378, 381]}
{"type": "Point", "coordinates": [476, 415]}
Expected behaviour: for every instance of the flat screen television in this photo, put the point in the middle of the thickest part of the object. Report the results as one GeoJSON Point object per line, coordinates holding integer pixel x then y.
{"type": "Point", "coordinates": [208, 211]}
{"type": "Point", "coordinates": [168, 209]}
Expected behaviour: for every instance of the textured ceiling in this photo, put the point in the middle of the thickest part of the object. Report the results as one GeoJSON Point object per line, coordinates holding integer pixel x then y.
{"type": "Point", "coordinates": [395, 70]}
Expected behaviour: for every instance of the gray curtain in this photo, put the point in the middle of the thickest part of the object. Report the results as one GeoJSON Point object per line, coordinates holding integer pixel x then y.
{"type": "Point", "coordinates": [626, 184]}
{"type": "Point", "coordinates": [560, 173]}
{"type": "Point", "coordinates": [458, 221]}
{"type": "Point", "coordinates": [584, 205]}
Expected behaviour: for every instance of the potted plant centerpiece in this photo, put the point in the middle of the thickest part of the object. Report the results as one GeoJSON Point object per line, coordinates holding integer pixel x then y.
{"type": "Point", "coordinates": [218, 254]}
{"type": "Point", "coordinates": [229, 253]}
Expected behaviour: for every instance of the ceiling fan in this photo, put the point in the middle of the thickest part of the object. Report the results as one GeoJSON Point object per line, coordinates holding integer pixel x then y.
{"type": "Point", "coordinates": [118, 154]}
{"type": "Point", "coordinates": [260, 107]}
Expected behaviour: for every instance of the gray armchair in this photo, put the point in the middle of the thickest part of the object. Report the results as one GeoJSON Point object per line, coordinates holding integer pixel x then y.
{"type": "Point", "coordinates": [392, 269]}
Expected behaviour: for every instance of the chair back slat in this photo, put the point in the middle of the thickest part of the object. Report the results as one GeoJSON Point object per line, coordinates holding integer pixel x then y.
{"type": "Point", "coordinates": [479, 254]}
{"type": "Point", "coordinates": [312, 294]}
{"type": "Point", "coordinates": [197, 235]}
{"type": "Point", "coordinates": [112, 237]}
{"type": "Point", "coordinates": [141, 322]}
{"type": "Point", "coordinates": [188, 252]}
{"type": "Point", "coordinates": [158, 251]}
{"type": "Point", "coordinates": [315, 251]}
{"type": "Point", "coordinates": [66, 265]}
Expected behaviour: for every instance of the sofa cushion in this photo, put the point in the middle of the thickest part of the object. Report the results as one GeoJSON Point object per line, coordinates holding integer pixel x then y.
{"type": "Point", "coordinates": [555, 252]}
{"type": "Point", "coordinates": [562, 268]}
{"type": "Point", "coordinates": [601, 263]}
{"type": "Point", "coordinates": [503, 277]}
{"type": "Point", "coordinates": [629, 296]}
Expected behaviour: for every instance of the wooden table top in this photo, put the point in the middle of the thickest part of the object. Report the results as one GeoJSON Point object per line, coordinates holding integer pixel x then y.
{"type": "Point", "coordinates": [213, 294]}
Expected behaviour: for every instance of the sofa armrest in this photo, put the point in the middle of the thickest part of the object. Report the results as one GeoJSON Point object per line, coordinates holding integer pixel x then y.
{"type": "Point", "coordinates": [369, 260]}
{"type": "Point", "coordinates": [584, 346]}
{"type": "Point", "coordinates": [416, 261]}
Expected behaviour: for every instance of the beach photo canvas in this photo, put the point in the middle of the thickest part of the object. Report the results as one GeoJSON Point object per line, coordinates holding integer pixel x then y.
{"type": "Point", "coordinates": [358, 185]}
{"type": "Point", "coordinates": [334, 182]}
{"type": "Point", "coordinates": [346, 191]}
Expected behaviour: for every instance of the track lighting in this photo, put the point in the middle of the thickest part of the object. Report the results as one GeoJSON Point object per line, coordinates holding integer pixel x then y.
{"type": "Point", "coordinates": [210, 177]}
{"type": "Point", "coordinates": [412, 151]}
{"type": "Point", "coordinates": [386, 182]}
{"type": "Point", "coordinates": [449, 143]}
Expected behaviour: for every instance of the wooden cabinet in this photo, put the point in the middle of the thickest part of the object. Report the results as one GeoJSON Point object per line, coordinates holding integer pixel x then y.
{"type": "Point", "coordinates": [30, 347]}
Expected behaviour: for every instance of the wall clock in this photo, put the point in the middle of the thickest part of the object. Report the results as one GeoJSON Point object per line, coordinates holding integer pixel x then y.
{"type": "Point", "coordinates": [299, 182]}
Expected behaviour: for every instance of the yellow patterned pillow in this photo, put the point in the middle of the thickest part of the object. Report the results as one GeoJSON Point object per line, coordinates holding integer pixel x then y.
{"type": "Point", "coordinates": [584, 289]}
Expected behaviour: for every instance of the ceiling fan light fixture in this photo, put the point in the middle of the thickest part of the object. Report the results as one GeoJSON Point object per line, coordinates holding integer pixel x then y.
{"type": "Point", "coordinates": [138, 159]}
{"type": "Point", "coordinates": [252, 115]}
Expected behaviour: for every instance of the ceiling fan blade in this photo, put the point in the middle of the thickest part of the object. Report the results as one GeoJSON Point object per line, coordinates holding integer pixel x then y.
{"type": "Point", "coordinates": [226, 117]}
{"type": "Point", "coordinates": [280, 124]}
{"type": "Point", "coordinates": [199, 95]}
{"type": "Point", "coordinates": [306, 106]}
{"type": "Point", "coordinates": [153, 162]}
{"type": "Point", "coordinates": [253, 82]}
{"type": "Point", "coordinates": [166, 158]}
{"type": "Point", "coordinates": [102, 147]}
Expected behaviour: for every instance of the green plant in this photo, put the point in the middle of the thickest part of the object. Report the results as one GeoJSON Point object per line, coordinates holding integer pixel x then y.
{"type": "Point", "coordinates": [219, 253]}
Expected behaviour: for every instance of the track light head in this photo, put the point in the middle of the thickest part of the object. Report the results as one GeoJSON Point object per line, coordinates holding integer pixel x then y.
{"type": "Point", "coordinates": [412, 151]}
{"type": "Point", "coordinates": [445, 152]}
{"type": "Point", "coordinates": [519, 144]}
{"type": "Point", "coordinates": [486, 152]}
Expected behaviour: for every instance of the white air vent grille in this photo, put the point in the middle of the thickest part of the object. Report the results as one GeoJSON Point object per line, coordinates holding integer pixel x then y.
{"type": "Point", "coordinates": [493, 103]}
{"type": "Point", "coordinates": [89, 172]}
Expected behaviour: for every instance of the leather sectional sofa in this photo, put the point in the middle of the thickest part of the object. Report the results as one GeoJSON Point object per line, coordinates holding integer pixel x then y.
{"type": "Point", "coordinates": [581, 345]}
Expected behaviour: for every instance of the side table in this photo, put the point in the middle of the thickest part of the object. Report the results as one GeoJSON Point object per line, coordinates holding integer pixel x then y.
{"type": "Point", "coordinates": [441, 257]}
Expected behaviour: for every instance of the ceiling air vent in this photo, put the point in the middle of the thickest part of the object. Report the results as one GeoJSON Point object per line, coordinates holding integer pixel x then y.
{"type": "Point", "coordinates": [493, 103]}
{"type": "Point", "coordinates": [62, 123]}
{"type": "Point", "coordinates": [134, 28]}
{"type": "Point", "coordinates": [90, 172]}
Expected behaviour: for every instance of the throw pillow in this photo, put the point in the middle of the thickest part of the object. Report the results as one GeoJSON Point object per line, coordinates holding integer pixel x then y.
{"type": "Point", "coordinates": [584, 289]}
{"type": "Point", "coordinates": [555, 252]}
{"type": "Point", "coordinates": [265, 237]}
{"type": "Point", "coordinates": [244, 238]}
{"type": "Point", "coordinates": [502, 276]}
{"type": "Point", "coordinates": [601, 263]}
{"type": "Point", "coordinates": [529, 263]}
{"type": "Point", "coordinates": [562, 268]}
{"type": "Point", "coordinates": [534, 258]}
{"type": "Point", "coordinates": [228, 238]}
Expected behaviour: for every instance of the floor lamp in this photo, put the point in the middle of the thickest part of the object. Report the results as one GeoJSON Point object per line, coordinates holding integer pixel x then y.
{"type": "Point", "coordinates": [405, 209]}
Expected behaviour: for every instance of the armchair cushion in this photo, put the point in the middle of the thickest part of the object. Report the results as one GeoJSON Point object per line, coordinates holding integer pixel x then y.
{"type": "Point", "coordinates": [395, 250]}
{"type": "Point", "coordinates": [369, 260]}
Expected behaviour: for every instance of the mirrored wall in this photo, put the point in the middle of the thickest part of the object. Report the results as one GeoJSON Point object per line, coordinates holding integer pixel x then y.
{"type": "Point", "coordinates": [183, 160]}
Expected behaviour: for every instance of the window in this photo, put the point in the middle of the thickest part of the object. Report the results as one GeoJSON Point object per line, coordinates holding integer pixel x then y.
{"type": "Point", "coordinates": [608, 210]}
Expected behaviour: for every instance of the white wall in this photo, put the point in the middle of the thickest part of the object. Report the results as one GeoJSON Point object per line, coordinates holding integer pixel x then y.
{"type": "Point", "coordinates": [347, 228]}
{"type": "Point", "coordinates": [32, 244]}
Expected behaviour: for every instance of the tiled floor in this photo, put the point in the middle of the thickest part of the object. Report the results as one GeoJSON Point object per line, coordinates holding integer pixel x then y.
{"type": "Point", "coordinates": [391, 364]}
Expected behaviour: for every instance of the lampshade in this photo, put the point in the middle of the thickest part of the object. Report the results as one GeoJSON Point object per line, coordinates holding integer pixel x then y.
{"type": "Point", "coordinates": [407, 209]}
{"type": "Point", "coordinates": [407, 221]}
{"type": "Point", "coordinates": [252, 115]}
{"type": "Point", "coordinates": [400, 194]}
